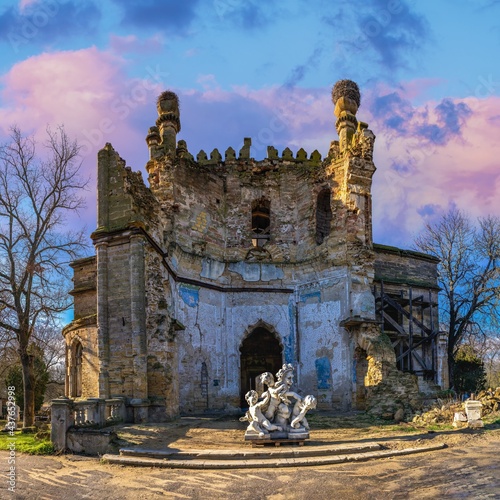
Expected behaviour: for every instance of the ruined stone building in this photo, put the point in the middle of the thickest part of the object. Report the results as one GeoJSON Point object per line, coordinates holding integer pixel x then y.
{"type": "Point", "coordinates": [224, 267]}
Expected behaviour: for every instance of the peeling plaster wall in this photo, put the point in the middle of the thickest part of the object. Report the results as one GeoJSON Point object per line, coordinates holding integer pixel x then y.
{"type": "Point", "coordinates": [216, 324]}
{"type": "Point", "coordinates": [325, 361]}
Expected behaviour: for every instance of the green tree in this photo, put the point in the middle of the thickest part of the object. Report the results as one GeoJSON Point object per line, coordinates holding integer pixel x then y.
{"type": "Point", "coordinates": [468, 275]}
{"type": "Point", "coordinates": [469, 372]}
{"type": "Point", "coordinates": [41, 378]}
{"type": "Point", "coordinates": [37, 193]}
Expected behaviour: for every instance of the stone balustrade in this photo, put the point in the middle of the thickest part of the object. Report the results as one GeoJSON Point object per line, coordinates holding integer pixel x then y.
{"type": "Point", "coordinates": [92, 413]}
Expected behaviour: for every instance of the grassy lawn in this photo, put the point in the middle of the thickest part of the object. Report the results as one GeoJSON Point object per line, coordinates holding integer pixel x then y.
{"type": "Point", "coordinates": [25, 443]}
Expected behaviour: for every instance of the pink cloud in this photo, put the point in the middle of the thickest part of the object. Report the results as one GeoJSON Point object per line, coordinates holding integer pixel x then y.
{"type": "Point", "coordinates": [23, 4]}
{"type": "Point", "coordinates": [88, 92]}
{"type": "Point", "coordinates": [131, 43]}
{"type": "Point", "coordinates": [418, 178]}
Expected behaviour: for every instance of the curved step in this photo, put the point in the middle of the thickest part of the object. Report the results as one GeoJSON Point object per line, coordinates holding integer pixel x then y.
{"type": "Point", "coordinates": [246, 454]}
{"type": "Point", "coordinates": [224, 460]}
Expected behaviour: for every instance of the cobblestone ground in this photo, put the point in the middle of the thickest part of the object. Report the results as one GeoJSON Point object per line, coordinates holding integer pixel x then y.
{"type": "Point", "coordinates": [469, 468]}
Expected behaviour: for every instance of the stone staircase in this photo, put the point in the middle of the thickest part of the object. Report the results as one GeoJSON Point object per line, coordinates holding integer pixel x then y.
{"type": "Point", "coordinates": [292, 456]}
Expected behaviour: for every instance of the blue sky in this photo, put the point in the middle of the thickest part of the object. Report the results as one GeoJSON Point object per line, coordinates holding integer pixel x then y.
{"type": "Point", "coordinates": [428, 73]}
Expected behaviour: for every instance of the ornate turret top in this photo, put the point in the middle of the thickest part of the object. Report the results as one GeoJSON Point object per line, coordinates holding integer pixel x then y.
{"type": "Point", "coordinates": [167, 106]}
{"type": "Point", "coordinates": [346, 97]}
{"type": "Point", "coordinates": [162, 138]}
{"type": "Point", "coordinates": [347, 89]}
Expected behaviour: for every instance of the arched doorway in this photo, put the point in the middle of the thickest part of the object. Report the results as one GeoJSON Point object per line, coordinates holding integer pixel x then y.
{"type": "Point", "coordinates": [260, 352]}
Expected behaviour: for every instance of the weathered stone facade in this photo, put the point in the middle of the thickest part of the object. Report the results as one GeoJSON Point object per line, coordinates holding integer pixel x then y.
{"type": "Point", "coordinates": [226, 267]}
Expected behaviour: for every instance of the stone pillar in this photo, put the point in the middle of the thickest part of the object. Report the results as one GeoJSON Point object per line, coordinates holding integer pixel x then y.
{"type": "Point", "coordinates": [102, 319]}
{"type": "Point", "coordinates": [122, 411]}
{"type": "Point", "coordinates": [138, 320]}
{"type": "Point", "coordinates": [61, 421]}
{"type": "Point", "coordinates": [67, 381]}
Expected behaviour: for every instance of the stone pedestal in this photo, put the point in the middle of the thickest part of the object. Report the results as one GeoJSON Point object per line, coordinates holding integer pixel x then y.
{"type": "Point", "coordinates": [140, 409]}
{"type": "Point", "coordinates": [459, 419]}
{"type": "Point", "coordinates": [61, 421]}
{"type": "Point", "coordinates": [473, 412]}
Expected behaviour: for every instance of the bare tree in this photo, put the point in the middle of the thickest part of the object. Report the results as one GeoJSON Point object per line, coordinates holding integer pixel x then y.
{"type": "Point", "coordinates": [36, 194]}
{"type": "Point", "coordinates": [488, 348]}
{"type": "Point", "coordinates": [469, 274]}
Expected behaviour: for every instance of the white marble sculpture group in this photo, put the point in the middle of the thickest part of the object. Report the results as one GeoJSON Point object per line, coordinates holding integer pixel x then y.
{"type": "Point", "coordinates": [274, 416]}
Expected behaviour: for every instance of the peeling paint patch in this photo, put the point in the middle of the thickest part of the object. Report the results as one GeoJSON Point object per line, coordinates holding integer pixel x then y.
{"type": "Point", "coordinates": [323, 373]}
{"type": "Point", "coordinates": [256, 272]}
{"type": "Point", "coordinates": [201, 222]}
{"type": "Point", "coordinates": [311, 295]}
{"type": "Point", "coordinates": [212, 269]}
{"type": "Point", "coordinates": [174, 263]}
{"type": "Point", "coordinates": [269, 272]}
{"type": "Point", "coordinates": [190, 295]}
{"type": "Point", "coordinates": [249, 272]}
{"type": "Point", "coordinates": [289, 340]}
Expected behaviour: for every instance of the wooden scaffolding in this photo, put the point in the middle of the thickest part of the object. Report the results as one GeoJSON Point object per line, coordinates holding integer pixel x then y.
{"type": "Point", "coordinates": [410, 320]}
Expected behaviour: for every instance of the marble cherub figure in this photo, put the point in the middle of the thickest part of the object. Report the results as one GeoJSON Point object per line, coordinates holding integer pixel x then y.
{"type": "Point", "coordinates": [272, 416]}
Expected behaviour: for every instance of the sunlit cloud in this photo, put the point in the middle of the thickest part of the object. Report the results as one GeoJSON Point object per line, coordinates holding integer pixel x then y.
{"type": "Point", "coordinates": [89, 93]}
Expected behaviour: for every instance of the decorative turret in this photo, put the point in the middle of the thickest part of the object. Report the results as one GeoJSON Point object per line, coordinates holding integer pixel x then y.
{"type": "Point", "coordinates": [153, 139]}
{"type": "Point", "coordinates": [168, 121]}
{"type": "Point", "coordinates": [346, 98]}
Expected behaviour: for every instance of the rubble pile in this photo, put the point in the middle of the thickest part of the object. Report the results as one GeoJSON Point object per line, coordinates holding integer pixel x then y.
{"type": "Point", "coordinates": [444, 412]}
{"type": "Point", "coordinates": [439, 415]}
{"type": "Point", "coordinates": [490, 400]}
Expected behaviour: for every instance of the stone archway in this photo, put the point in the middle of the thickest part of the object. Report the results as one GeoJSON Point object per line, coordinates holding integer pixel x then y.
{"type": "Point", "coordinates": [261, 351]}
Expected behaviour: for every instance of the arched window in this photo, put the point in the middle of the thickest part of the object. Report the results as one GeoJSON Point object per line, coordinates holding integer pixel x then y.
{"type": "Point", "coordinates": [76, 370]}
{"type": "Point", "coordinates": [261, 222]}
{"type": "Point", "coordinates": [323, 215]}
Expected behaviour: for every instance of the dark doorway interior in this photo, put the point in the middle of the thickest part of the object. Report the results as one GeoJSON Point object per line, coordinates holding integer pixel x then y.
{"type": "Point", "coordinates": [260, 352]}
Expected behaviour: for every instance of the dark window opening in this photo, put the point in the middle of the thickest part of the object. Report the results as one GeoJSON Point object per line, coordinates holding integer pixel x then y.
{"type": "Point", "coordinates": [76, 370]}
{"type": "Point", "coordinates": [261, 222]}
{"type": "Point", "coordinates": [323, 215]}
